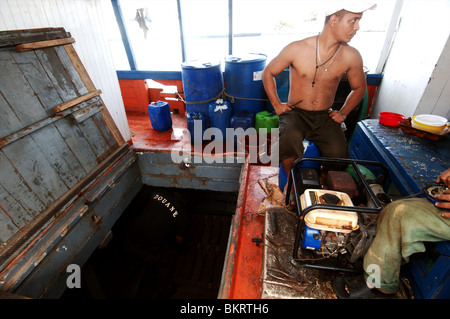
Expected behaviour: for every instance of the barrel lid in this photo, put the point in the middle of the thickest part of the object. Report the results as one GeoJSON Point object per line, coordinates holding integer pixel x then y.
{"type": "Point", "coordinates": [199, 64]}
{"type": "Point", "coordinates": [246, 58]}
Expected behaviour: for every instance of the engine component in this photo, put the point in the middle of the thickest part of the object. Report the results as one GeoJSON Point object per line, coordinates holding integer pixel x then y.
{"type": "Point", "coordinates": [309, 178]}
{"type": "Point", "coordinates": [327, 230]}
{"type": "Point", "coordinates": [333, 242]}
{"type": "Point", "coordinates": [343, 182]}
{"type": "Point", "coordinates": [382, 197]}
{"type": "Point", "coordinates": [312, 239]}
{"type": "Point", "coordinates": [329, 219]}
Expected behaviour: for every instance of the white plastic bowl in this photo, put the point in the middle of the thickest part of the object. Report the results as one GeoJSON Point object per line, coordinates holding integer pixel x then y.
{"type": "Point", "coordinates": [430, 121]}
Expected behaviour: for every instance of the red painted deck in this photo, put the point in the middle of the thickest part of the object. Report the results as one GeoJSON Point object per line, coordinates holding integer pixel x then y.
{"type": "Point", "coordinates": [145, 138]}
{"type": "Point", "coordinates": [243, 264]}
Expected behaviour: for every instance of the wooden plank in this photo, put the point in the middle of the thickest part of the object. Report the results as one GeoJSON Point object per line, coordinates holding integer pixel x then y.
{"type": "Point", "coordinates": [73, 56]}
{"type": "Point", "coordinates": [38, 79]}
{"type": "Point", "coordinates": [112, 126]}
{"type": "Point", "coordinates": [17, 92]}
{"type": "Point", "coordinates": [95, 139]}
{"type": "Point", "coordinates": [9, 223]}
{"type": "Point", "coordinates": [42, 44]}
{"type": "Point", "coordinates": [54, 148]}
{"type": "Point", "coordinates": [104, 130]}
{"type": "Point", "coordinates": [9, 121]}
{"type": "Point", "coordinates": [33, 167]}
{"type": "Point", "coordinates": [75, 59]}
{"type": "Point", "coordinates": [85, 113]}
{"type": "Point", "coordinates": [48, 278]}
{"type": "Point", "coordinates": [76, 101]}
{"type": "Point", "coordinates": [57, 73]}
{"type": "Point", "coordinates": [13, 38]}
{"type": "Point", "coordinates": [16, 187]}
{"type": "Point", "coordinates": [46, 121]}
{"type": "Point", "coordinates": [73, 72]}
{"type": "Point", "coordinates": [30, 229]}
{"type": "Point", "coordinates": [77, 143]}
{"type": "Point", "coordinates": [13, 215]}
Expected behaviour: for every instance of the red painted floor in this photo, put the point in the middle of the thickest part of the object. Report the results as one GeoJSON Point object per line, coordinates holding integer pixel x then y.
{"type": "Point", "coordinates": [145, 138]}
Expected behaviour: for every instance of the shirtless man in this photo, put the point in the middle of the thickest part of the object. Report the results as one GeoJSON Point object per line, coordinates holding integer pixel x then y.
{"type": "Point", "coordinates": [317, 65]}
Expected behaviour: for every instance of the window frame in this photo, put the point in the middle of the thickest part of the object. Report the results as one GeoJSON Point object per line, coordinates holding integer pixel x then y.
{"type": "Point", "coordinates": [136, 73]}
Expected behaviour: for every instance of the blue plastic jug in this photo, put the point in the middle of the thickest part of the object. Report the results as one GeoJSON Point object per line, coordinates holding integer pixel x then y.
{"type": "Point", "coordinates": [311, 150]}
{"type": "Point", "coordinates": [196, 119]}
{"type": "Point", "coordinates": [160, 116]}
{"type": "Point", "coordinates": [220, 116]}
{"type": "Point", "coordinates": [243, 119]}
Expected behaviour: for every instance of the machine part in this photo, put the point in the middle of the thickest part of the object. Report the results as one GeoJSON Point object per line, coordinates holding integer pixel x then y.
{"type": "Point", "coordinates": [432, 191]}
{"type": "Point", "coordinates": [309, 203]}
{"type": "Point", "coordinates": [343, 182]}
{"type": "Point", "coordinates": [330, 199]}
{"type": "Point", "coordinates": [359, 248]}
{"type": "Point", "coordinates": [329, 219]}
{"type": "Point", "coordinates": [312, 239]}
{"type": "Point", "coordinates": [309, 178]}
{"type": "Point", "coordinates": [333, 242]}
{"type": "Point", "coordinates": [382, 197]}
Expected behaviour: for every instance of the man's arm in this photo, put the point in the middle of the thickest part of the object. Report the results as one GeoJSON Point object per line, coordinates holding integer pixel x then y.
{"type": "Point", "coordinates": [275, 67]}
{"type": "Point", "coordinates": [357, 81]}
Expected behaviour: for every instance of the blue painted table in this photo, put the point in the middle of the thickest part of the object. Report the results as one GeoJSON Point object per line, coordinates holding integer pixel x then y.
{"type": "Point", "coordinates": [413, 163]}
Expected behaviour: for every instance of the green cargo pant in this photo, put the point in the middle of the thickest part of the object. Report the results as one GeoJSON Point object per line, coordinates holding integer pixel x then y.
{"type": "Point", "coordinates": [402, 228]}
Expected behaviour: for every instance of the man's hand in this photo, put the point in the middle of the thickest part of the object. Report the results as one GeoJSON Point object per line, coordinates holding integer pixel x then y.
{"type": "Point", "coordinates": [284, 107]}
{"type": "Point", "coordinates": [445, 197]}
{"type": "Point", "coordinates": [444, 178]}
{"type": "Point", "coordinates": [337, 116]}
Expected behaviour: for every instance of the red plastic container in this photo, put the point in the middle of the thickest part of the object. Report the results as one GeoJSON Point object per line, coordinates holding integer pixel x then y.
{"type": "Point", "coordinates": [390, 118]}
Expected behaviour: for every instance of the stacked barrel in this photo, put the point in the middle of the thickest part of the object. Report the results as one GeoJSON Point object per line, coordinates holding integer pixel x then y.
{"type": "Point", "coordinates": [235, 100]}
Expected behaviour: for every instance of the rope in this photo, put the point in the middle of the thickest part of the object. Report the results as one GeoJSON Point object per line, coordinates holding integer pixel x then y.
{"type": "Point", "coordinates": [221, 95]}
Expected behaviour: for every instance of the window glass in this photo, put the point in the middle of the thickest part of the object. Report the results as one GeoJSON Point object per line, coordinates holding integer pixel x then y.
{"type": "Point", "coordinates": [205, 27]}
{"type": "Point", "coordinates": [266, 26]}
{"type": "Point", "coordinates": [154, 33]}
{"type": "Point", "coordinates": [259, 26]}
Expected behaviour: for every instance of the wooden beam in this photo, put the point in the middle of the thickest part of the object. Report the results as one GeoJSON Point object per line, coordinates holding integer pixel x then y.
{"type": "Point", "coordinates": [42, 44]}
{"type": "Point", "coordinates": [76, 101]}
{"type": "Point", "coordinates": [8, 139]}
{"type": "Point", "coordinates": [73, 56]}
{"type": "Point", "coordinates": [91, 88]}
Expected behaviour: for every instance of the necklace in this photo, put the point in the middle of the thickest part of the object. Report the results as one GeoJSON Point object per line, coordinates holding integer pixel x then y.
{"type": "Point", "coordinates": [320, 64]}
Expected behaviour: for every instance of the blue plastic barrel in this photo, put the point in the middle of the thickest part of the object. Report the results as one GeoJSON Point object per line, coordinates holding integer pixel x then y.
{"type": "Point", "coordinates": [310, 151]}
{"type": "Point", "coordinates": [243, 81]}
{"type": "Point", "coordinates": [196, 125]}
{"type": "Point", "coordinates": [160, 116]}
{"type": "Point", "coordinates": [202, 82]}
{"type": "Point", "coordinates": [220, 116]}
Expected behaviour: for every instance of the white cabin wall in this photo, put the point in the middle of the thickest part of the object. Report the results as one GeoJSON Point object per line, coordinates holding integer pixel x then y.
{"type": "Point", "coordinates": [85, 20]}
{"type": "Point", "coordinates": [416, 77]}
{"type": "Point", "coordinates": [436, 98]}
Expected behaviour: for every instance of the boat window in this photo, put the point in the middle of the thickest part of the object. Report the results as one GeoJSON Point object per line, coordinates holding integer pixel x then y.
{"type": "Point", "coordinates": [153, 32]}
{"type": "Point", "coordinates": [264, 26]}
